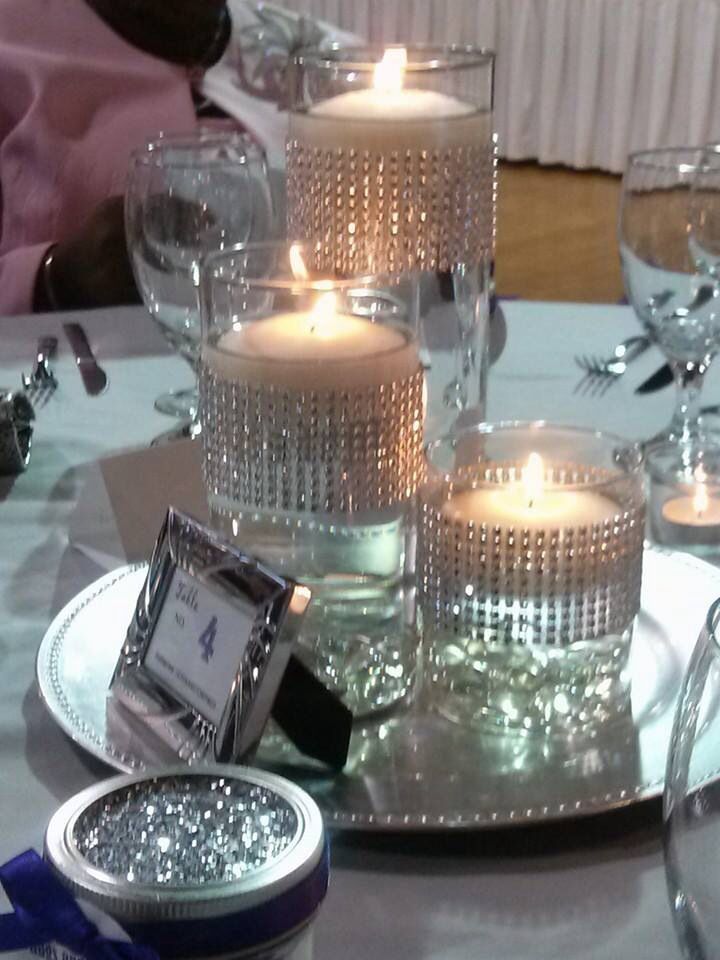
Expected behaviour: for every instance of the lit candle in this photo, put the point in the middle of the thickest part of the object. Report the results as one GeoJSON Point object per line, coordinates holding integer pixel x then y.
{"type": "Point", "coordinates": [533, 552]}
{"type": "Point", "coordinates": [698, 510]}
{"type": "Point", "coordinates": [391, 177]}
{"type": "Point", "coordinates": [391, 116]}
{"type": "Point", "coordinates": [317, 349]}
{"type": "Point", "coordinates": [529, 504]}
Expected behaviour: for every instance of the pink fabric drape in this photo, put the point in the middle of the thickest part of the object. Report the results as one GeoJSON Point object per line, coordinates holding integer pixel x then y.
{"type": "Point", "coordinates": [75, 100]}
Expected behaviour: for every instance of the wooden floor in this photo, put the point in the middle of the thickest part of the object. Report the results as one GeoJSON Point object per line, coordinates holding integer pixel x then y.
{"type": "Point", "coordinates": [556, 235]}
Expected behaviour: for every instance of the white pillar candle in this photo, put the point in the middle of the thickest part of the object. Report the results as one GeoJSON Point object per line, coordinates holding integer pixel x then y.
{"type": "Point", "coordinates": [391, 115]}
{"type": "Point", "coordinates": [317, 349]}
{"type": "Point", "coordinates": [529, 504]}
{"type": "Point", "coordinates": [409, 120]}
{"type": "Point", "coordinates": [508, 507]}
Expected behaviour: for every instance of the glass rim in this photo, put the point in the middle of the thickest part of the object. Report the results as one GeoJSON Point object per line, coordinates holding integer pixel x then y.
{"type": "Point", "coordinates": [314, 284]}
{"type": "Point", "coordinates": [664, 463]}
{"type": "Point", "coordinates": [488, 428]}
{"type": "Point", "coordinates": [652, 159]}
{"type": "Point", "coordinates": [711, 624]}
{"type": "Point", "coordinates": [440, 57]}
{"type": "Point", "coordinates": [151, 152]}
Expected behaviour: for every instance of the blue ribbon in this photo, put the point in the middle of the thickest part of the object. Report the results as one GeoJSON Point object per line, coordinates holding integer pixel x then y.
{"type": "Point", "coordinates": [45, 911]}
{"type": "Point", "coordinates": [240, 931]}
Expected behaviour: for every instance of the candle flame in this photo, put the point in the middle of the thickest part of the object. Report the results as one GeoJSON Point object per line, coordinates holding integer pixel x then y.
{"type": "Point", "coordinates": [297, 264]}
{"type": "Point", "coordinates": [700, 500]}
{"type": "Point", "coordinates": [322, 317]}
{"type": "Point", "coordinates": [391, 69]}
{"type": "Point", "coordinates": [533, 478]}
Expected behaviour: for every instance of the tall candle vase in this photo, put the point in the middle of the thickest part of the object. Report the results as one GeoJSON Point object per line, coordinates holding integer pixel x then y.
{"type": "Point", "coordinates": [529, 571]}
{"type": "Point", "coordinates": [391, 169]}
{"type": "Point", "coordinates": [312, 411]}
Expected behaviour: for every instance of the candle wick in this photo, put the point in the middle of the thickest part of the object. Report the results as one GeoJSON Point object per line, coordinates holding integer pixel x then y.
{"type": "Point", "coordinates": [530, 503]}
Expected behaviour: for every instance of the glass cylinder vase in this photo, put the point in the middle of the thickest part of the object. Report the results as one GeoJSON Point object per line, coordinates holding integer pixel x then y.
{"type": "Point", "coordinates": [312, 412]}
{"type": "Point", "coordinates": [391, 169]}
{"type": "Point", "coordinates": [530, 561]}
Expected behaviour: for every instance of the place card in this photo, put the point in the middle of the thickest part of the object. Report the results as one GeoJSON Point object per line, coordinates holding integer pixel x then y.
{"type": "Point", "coordinates": [207, 647]}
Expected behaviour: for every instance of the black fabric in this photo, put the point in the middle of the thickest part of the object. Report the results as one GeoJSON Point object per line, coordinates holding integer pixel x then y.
{"type": "Point", "coordinates": [312, 717]}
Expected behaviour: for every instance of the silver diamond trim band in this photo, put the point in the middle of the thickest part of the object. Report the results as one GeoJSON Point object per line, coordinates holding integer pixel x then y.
{"type": "Point", "coordinates": [516, 585]}
{"type": "Point", "coordinates": [394, 212]}
{"type": "Point", "coordinates": [270, 448]}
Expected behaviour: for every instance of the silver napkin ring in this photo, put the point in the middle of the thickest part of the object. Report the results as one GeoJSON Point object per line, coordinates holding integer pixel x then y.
{"type": "Point", "coordinates": [16, 416]}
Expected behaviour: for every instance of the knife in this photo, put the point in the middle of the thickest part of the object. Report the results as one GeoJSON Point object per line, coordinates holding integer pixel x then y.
{"type": "Point", "coordinates": [93, 376]}
{"type": "Point", "coordinates": [656, 381]}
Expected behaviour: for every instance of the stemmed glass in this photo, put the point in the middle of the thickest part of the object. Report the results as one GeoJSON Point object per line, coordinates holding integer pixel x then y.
{"type": "Point", "coordinates": [704, 242]}
{"type": "Point", "coordinates": [692, 801]}
{"type": "Point", "coordinates": [671, 291]}
{"type": "Point", "coordinates": [187, 196]}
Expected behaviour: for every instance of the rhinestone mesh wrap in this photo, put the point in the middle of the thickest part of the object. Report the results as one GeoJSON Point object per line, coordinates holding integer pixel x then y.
{"type": "Point", "coordinates": [321, 452]}
{"type": "Point", "coordinates": [393, 212]}
{"type": "Point", "coordinates": [553, 587]}
{"type": "Point", "coordinates": [182, 831]}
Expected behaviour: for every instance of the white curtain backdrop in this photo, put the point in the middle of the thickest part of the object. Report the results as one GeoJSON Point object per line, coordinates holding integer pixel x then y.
{"type": "Point", "coordinates": [578, 82]}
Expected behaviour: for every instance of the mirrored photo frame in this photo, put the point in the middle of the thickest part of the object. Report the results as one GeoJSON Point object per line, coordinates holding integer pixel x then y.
{"type": "Point", "coordinates": [204, 655]}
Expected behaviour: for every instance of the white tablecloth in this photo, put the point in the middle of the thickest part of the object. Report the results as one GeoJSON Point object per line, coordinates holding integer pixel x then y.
{"type": "Point", "coordinates": [584, 889]}
{"type": "Point", "coordinates": [578, 82]}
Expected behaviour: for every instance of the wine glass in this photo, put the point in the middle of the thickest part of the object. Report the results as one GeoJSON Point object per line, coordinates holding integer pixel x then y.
{"type": "Point", "coordinates": [673, 295]}
{"type": "Point", "coordinates": [187, 196]}
{"type": "Point", "coordinates": [692, 801]}
{"type": "Point", "coordinates": [704, 226]}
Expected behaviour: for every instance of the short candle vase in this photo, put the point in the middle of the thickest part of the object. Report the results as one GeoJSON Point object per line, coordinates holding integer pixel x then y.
{"type": "Point", "coordinates": [391, 169]}
{"type": "Point", "coordinates": [312, 414]}
{"type": "Point", "coordinates": [529, 572]}
{"type": "Point", "coordinates": [684, 498]}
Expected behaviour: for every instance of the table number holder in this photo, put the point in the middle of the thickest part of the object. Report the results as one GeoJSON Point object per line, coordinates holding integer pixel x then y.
{"type": "Point", "coordinates": [159, 692]}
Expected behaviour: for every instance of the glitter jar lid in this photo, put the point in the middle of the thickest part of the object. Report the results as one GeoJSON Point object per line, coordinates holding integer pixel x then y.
{"type": "Point", "coordinates": [177, 847]}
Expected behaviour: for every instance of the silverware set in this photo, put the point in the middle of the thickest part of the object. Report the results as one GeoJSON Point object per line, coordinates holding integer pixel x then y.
{"type": "Point", "coordinates": [93, 376]}
{"type": "Point", "coordinates": [42, 382]}
{"type": "Point", "coordinates": [601, 372]}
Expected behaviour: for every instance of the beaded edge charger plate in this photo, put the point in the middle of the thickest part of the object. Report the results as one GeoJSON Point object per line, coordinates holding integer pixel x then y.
{"type": "Point", "coordinates": [414, 770]}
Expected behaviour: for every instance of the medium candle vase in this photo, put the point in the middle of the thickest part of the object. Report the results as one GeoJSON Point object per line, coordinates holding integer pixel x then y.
{"type": "Point", "coordinates": [391, 169]}
{"type": "Point", "coordinates": [312, 414]}
{"type": "Point", "coordinates": [529, 570]}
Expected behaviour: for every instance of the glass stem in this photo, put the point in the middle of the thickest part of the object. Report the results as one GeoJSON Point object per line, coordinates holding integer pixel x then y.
{"type": "Point", "coordinates": [686, 422]}
{"type": "Point", "coordinates": [415, 317]}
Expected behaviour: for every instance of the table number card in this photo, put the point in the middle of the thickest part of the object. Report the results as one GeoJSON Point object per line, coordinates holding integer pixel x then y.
{"type": "Point", "coordinates": [198, 644]}
{"type": "Point", "coordinates": [208, 645]}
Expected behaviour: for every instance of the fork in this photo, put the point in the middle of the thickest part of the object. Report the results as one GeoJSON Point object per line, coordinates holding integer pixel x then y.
{"type": "Point", "coordinates": [42, 382]}
{"type": "Point", "coordinates": [601, 372]}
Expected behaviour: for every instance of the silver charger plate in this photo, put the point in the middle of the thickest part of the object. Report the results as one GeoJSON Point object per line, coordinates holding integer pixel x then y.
{"type": "Point", "coordinates": [414, 770]}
